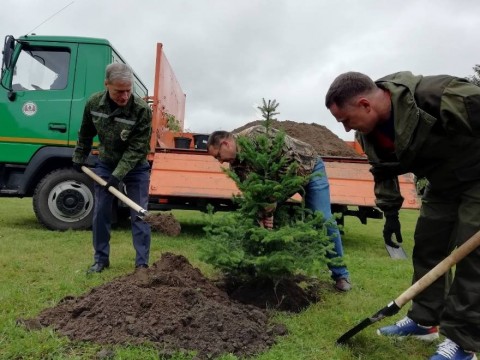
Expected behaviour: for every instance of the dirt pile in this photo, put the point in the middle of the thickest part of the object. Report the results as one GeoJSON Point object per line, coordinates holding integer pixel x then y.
{"type": "Point", "coordinates": [323, 140]}
{"type": "Point", "coordinates": [171, 304]}
{"type": "Point", "coordinates": [164, 223]}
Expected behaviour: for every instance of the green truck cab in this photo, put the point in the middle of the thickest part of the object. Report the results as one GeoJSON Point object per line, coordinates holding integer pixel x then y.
{"type": "Point", "coordinates": [45, 82]}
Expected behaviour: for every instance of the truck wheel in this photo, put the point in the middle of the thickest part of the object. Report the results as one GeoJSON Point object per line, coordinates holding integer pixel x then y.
{"type": "Point", "coordinates": [64, 200]}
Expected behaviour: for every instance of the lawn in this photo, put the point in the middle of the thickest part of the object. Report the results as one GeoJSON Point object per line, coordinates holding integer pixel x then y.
{"type": "Point", "coordinates": [39, 267]}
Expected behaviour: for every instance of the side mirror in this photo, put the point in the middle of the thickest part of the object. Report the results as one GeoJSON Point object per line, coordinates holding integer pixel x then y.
{"type": "Point", "coordinates": [8, 51]}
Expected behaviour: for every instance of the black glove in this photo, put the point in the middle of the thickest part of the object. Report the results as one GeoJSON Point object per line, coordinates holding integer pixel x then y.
{"type": "Point", "coordinates": [392, 226]}
{"type": "Point", "coordinates": [112, 181]}
{"type": "Point", "coordinates": [77, 167]}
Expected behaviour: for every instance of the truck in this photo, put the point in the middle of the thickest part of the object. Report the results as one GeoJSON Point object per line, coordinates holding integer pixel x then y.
{"type": "Point", "coordinates": [45, 83]}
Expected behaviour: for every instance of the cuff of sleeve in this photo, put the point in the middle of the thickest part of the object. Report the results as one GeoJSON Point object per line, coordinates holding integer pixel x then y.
{"type": "Point", "coordinates": [390, 213]}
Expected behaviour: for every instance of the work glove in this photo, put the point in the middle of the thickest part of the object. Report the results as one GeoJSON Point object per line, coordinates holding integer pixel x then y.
{"type": "Point", "coordinates": [77, 167]}
{"type": "Point", "coordinates": [112, 181]}
{"type": "Point", "coordinates": [392, 226]}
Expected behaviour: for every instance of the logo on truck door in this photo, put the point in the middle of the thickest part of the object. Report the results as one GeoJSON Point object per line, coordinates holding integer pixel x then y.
{"type": "Point", "coordinates": [29, 108]}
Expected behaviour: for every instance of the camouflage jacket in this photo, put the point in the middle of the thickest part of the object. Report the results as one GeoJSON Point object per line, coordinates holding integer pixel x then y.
{"type": "Point", "coordinates": [124, 133]}
{"type": "Point", "coordinates": [293, 150]}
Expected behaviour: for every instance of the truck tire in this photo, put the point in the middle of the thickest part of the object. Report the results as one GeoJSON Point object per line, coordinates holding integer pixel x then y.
{"type": "Point", "coordinates": [63, 200]}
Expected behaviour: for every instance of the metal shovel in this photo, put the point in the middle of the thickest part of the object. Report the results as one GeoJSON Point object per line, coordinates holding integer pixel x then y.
{"type": "Point", "coordinates": [420, 285]}
{"type": "Point", "coordinates": [396, 252]}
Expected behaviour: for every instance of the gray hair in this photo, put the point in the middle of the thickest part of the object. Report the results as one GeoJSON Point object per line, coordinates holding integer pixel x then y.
{"type": "Point", "coordinates": [346, 86]}
{"type": "Point", "coordinates": [118, 72]}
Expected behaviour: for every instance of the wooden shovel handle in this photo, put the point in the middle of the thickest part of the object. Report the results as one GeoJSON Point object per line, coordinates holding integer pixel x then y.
{"type": "Point", "coordinates": [440, 269]}
{"type": "Point", "coordinates": [115, 191]}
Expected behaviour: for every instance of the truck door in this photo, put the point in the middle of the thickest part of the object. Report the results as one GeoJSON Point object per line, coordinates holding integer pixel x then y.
{"type": "Point", "coordinates": [39, 113]}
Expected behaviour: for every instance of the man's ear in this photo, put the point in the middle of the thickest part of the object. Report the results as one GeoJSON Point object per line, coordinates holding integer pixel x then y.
{"type": "Point", "coordinates": [364, 103]}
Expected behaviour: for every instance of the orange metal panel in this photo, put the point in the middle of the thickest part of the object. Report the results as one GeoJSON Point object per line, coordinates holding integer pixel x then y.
{"type": "Point", "coordinates": [168, 97]}
{"type": "Point", "coordinates": [355, 145]}
{"type": "Point", "coordinates": [352, 184]}
{"type": "Point", "coordinates": [200, 175]}
{"type": "Point", "coordinates": [189, 175]}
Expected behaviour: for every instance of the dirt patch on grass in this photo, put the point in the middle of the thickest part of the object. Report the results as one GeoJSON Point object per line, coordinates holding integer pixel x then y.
{"type": "Point", "coordinates": [173, 305]}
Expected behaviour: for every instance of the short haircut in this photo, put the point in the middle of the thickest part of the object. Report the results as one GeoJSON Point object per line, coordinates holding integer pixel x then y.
{"type": "Point", "coordinates": [346, 86]}
{"type": "Point", "coordinates": [217, 137]}
{"type": "Point", "coordinates": [118, 72]}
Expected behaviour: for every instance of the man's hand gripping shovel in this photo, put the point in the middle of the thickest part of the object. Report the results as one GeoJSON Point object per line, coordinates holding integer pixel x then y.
{"type": "Point", "coordinates": [142, 213]}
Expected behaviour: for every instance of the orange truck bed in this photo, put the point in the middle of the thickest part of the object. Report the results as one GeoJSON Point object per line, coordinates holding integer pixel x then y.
{"type": "Point", "coordinates": [351, 183]}
{"type": "Point", "coordinates": [190, 179]}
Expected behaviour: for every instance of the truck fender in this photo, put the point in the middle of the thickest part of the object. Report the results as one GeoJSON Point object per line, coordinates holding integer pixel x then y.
{"type": "Point", "coordinates": [45, 160]}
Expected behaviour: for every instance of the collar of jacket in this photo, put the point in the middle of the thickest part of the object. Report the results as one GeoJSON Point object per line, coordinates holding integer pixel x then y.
{"type": "Point", "coordinates": [412, 124]}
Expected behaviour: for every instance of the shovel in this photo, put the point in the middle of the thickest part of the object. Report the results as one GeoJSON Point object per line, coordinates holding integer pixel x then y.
{"type": "Point", "coordinates": [142, 213]}
{"type": "Point", "coordinates": [421, 284]}
{"type": "Point", "coordinates": [394, 249]}
{"type": "Point", "coordinates": [165, 224]}
{"type": "Point", "coordinates": [396, 252]}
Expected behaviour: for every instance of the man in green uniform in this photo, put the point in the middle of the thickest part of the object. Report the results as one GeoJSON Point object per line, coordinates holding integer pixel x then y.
{"type": "Point", "coordinates": [428, 125]}
{"type": "Point", "coordinates": [222, 145]}
{"type": "Point", "coordinates": [122, 122]}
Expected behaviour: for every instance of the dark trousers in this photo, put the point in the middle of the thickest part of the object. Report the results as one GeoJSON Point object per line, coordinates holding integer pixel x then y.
{"type": "Point", "coordinates": [447, 219]}
{"type": "Point", "coordinates": [136, 183]}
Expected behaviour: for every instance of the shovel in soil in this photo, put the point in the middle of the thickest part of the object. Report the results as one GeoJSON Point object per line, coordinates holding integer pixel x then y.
{"type": "Point", "coordinates": [142, 213]}
{"type": "Point", "coordinates": [420, 285]}
{"type": "Point", "coordinates": [163, 223]}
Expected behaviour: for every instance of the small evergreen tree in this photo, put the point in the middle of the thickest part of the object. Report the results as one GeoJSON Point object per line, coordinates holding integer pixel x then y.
{"type": "Point", "coordinates": [272, 181]}
{"type": "Point", "coordinates": [238, 246]}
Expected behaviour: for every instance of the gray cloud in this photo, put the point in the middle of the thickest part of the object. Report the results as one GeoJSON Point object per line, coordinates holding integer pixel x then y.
{"type": "Point", "coordinates": [228, 54]}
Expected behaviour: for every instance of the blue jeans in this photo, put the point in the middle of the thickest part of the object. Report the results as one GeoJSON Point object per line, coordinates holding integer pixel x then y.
{"type": "Point", "coordinates": [136, 182]}
{"type": "Point", "coordinates": [317, 198]}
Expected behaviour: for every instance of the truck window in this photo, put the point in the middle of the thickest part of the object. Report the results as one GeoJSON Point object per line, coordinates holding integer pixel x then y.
{"type": "Point", "coordinates": [41, 68]}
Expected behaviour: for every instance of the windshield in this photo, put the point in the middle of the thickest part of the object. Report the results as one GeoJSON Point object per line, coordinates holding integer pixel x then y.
{"type": "Point", "coordinates": [41, 68]}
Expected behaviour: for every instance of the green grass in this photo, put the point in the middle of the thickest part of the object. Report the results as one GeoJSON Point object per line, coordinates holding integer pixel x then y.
{"type": "Point", "coordinates": [39, 267]}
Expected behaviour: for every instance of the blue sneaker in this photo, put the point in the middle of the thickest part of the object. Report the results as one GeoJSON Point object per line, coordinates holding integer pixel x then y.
{"type": "Point", "coordinates": [408, 327]}
{"type": "Point", "coordinates": [448, 350]}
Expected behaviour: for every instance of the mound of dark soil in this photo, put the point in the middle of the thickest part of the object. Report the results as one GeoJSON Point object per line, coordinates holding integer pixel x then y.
{"type": "Point", "coordinates": [323, 140]}
{"type": "Point", "coordinates": [164, 223]}
{"type": "Point", "coordinates": [170, 304]}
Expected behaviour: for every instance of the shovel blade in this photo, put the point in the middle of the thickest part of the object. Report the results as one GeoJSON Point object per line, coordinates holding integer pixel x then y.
{"type": "Point", "coordinates": [391, 309]}
{"type": "Point", "coordinates": [353, 331]}
{"type": "Point", "coordinates": [396, 253]}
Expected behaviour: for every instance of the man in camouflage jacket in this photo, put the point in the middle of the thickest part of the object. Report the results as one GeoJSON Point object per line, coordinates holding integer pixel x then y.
{"type": "Point", "coordinates": [428, 125]}
{"type": "Point", "coordinates": [222, 145]}
{"type": "Point", "coordinates": [122, 122]}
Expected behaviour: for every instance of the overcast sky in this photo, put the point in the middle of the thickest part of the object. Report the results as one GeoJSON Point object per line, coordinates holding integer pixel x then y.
{"type": "Point", "coordinates": [229, 54]}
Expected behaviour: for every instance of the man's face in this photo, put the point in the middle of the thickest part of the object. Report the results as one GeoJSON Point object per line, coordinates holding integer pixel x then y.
{"type": "Point", "coordinates": [356, 115]}
{"type": "Point", "coordinates": [119, 91]}
{"type": "Point", "coordinates": [226, 151]}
